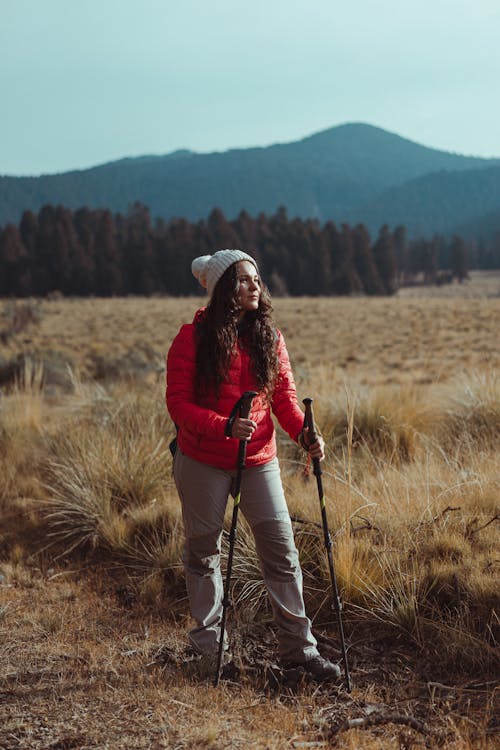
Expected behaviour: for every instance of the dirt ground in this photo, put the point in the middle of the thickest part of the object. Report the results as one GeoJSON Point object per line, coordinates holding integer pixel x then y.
{"type": "Point", "coordinates": [84, 664]}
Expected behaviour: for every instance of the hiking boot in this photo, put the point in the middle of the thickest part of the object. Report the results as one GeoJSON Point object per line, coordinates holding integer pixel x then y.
{"type": "Point", "coordinates": [317, 667]}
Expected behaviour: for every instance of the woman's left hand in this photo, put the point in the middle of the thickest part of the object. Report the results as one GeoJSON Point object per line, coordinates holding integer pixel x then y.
{"type": "Point", "coordinates": [316, 449]}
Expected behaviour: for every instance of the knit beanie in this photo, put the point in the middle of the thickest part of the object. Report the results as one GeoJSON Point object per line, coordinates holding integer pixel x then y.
{"type": "Point", "coordinates": [209, 268]}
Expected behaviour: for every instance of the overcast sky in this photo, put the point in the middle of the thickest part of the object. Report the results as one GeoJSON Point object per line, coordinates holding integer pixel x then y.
{"type": "Point", "coordinates": [83, 82]}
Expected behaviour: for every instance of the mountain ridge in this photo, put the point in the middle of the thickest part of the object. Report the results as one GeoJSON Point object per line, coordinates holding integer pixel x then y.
{"type": "Point", "coordinates": [347, 171]}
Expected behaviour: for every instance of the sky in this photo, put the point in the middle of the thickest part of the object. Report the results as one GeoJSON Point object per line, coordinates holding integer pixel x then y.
{"type": "Point", "coordinates": [90, 81]}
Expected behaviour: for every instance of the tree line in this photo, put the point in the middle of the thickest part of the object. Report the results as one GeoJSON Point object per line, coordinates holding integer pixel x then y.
{"type": "Point", "coordinates": [93, 252]}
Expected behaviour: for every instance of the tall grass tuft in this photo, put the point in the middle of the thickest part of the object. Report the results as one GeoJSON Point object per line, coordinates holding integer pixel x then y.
{"type": "Point", "coordinates": [108, 478]}
{"type": "Point", "coordinates": [388, 421]}
{"type": "Point", "coordinates": [17, 316]}
{"type": "Point", "coordinates": [395, 597]}
{"type": "Point", "coordinates": [22, 423]}
{"type": "Point", "coordinates": [472, 414]}
{"type": "Point", "coordinates": [22, 407]}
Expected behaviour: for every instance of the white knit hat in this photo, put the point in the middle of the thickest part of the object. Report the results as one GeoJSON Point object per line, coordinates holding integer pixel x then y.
{"type": "Point", "coordinates": [209, 268]}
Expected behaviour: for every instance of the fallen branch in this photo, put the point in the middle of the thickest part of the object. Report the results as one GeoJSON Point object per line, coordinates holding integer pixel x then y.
{"type": "Point", "coordinates": [448, 509]}
{"type": "Point", "coordinates": [368, 525]}
{"type": "Point", "coordinates": [439, 516]}
{"type": "Point", "coordinates": [376, 719]}
{"type": "Point", "coordinates": [480, 528]}
{"type": "Point", "coordinates": [297, 519]}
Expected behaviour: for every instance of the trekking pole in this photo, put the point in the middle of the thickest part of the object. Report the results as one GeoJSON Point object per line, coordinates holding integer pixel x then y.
{"type": "Point", "coordinates": [337, 605]}
{"type": "Point", "coordinates": [242, 408]}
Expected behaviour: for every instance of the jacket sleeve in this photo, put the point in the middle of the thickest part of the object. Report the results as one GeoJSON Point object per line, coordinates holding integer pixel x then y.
{"type": "Point", "coordinates": [180, 394]}
{"type": "Point", "coordinates": [284, 402]}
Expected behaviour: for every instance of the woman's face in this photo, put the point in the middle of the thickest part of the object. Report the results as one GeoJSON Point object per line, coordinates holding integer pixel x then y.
{"type": "Point", "coordinates": [249, 286]}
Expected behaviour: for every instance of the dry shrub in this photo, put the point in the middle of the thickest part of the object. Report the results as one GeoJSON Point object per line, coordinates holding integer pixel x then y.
{"type": "Point", "coordinates": [22, 415]}
{"type": "Point", "coordinates": [137, 363]}
{"type": "Point", "coordinates": [153, 559]}
{"type": "Point", "coordinates": [472, 414]}
{"type": "Point", "coordinates": [107, 477]}
{"type": "Point", "coordinates": [22, 407]}
{"type": "Point", "coordinates": [17, 317]}
{"type": "Point", "coordinates": [394, 601]}
{"type": "Point", "coordinates": [387, 421]}
{"type": "Point", "coordinates": [54, 364]}
{"type": "Point", "coordinates": [249, 591]}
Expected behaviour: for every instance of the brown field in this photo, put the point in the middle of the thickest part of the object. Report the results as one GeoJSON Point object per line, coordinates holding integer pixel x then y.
{"type": "Point", "coordinates": [92, 604]}
{"type": "Point", "coordinates": [424, 335]}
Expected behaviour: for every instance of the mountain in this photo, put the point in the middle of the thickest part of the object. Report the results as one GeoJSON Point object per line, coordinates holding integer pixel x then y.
{"type": "Point", "coordinates": [352, 172]}
{"type": "Point", "coordinates": [486, 226]}
{"type": "Point", "coordinates": [441, 200]}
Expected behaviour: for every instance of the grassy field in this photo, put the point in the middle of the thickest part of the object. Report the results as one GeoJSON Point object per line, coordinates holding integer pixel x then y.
{"type": "Point", "coordinates": [93, 611]}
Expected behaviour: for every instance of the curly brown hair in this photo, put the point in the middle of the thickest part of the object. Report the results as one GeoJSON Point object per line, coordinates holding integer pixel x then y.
{"type": "Point", "coordinates": [218, 332]}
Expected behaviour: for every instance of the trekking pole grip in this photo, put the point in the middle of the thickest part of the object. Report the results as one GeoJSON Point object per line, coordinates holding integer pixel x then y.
{"type": "Point", "coordinates": [309, 419]}
{"type": "Point", "coordinates": [312, 434]}
{"type": "Point", "coordinates": [246, 403]}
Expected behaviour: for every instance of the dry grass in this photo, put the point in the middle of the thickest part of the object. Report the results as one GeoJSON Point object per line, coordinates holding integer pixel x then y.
{"type": "Point", "coordinates": [407, 394]}
{"type": "Point", "coordinates": [105, 475]}
{"type": "Point", "coordinates": [402, 340]}
{"type": "Point", "coordinates": [480, 284]}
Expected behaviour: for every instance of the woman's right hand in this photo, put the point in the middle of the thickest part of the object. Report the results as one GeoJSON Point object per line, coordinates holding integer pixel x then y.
{"type": "Point", "coordinates": [243, 429]}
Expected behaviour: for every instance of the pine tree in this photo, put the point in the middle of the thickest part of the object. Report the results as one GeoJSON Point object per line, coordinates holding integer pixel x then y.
{"type": "Point", "coordinates": [83, 270]}
{"type": "Point", "coordinates": [106, 254]}
{"type": "Point", "coordinates": [175, 252]}
{"type": "Point", "coordinates": [385, 260]}
{"type": "Point", "coordinates": [79, 276]}
{"type": "Point", "coordinates": [364, 261]}
{"type": "Point", "coordinates": [51, 261]}
{"type": "Point", "coordinates": [274, 255]}
{"type": "Point", "coordinates": [221, 235]}
{"type": "Point", "coordinates": [28, 228]}
{"type": "Point", "coordinates": [137, 251]}
{"type": "Point", "coordinates": [429, 260]}
{"type": "Point", "coordinates": [302, 267]}
{"type": "Point", "coordinates": [246, 229]}
{"type": "Point", "coordinates": [13, 263]}
{"type": "Point", "coordinates": [401, 251]}
{"type": "Point", "coordinates": [344, 276]}
{"type": "Point", "coordinates": [458, 259]}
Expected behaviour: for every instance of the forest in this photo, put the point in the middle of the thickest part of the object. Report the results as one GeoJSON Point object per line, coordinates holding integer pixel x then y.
{"type": "Point", "coordinates": [95, 252]}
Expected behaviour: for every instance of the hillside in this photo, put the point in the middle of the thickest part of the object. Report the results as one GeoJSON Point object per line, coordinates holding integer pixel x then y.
{"type": "Point", "coordinates": [464, 201]}
{"type": "Point", "coordinates": [332, 174]}
{"type": "Point", "coordinates": [485, 225]}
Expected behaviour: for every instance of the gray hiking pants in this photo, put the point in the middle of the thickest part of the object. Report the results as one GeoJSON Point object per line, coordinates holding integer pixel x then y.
{"type": "Point", "coordinates": [204, 491]}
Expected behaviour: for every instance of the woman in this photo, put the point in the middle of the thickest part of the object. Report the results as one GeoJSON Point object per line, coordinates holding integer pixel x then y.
{"type": "Point", "coordinates": [231, 347]}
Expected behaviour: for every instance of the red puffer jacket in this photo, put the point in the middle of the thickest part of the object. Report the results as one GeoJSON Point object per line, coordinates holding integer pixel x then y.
{"type": "Point", "coordinates": [202, 422]}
